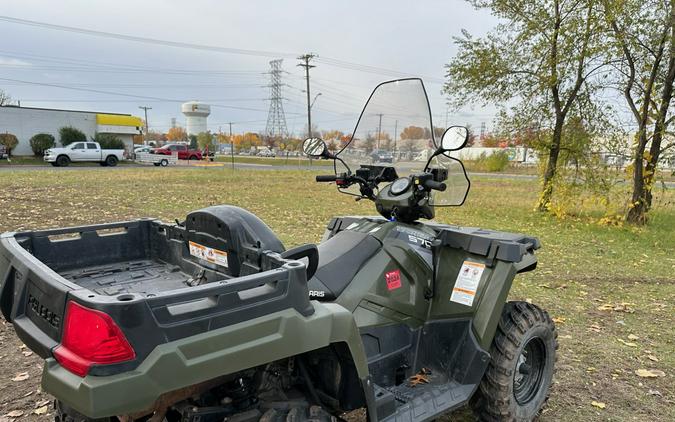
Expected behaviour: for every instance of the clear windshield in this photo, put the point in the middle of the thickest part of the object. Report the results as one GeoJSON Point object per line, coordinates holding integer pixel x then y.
{"type": "Point", "coordinates": [395, 129]}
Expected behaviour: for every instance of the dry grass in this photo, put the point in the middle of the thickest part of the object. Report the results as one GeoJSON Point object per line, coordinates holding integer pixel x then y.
{"type": "Point", "coordinates": [583, 266]}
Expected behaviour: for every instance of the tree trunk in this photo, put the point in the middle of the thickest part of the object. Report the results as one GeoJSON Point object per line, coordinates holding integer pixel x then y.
{"type": "Point", "coordinates": [641, 200]}
{"type": "Point", "coordinates": [661, 124]}
{"type": "Point", "coordinates": [636, 208]}
{"type": "Point", "coordinates": [551, 165]}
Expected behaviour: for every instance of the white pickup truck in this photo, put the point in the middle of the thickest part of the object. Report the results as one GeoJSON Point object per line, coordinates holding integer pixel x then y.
{"type": "Point", "coordinates": [81, 152]}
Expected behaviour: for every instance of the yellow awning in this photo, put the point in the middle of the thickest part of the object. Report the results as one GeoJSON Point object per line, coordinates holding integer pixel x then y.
{"type": "Point", "coordinates": [117, 120]}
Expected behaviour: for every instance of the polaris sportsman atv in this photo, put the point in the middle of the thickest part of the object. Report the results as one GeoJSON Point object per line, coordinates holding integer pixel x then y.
{"type": "Point", "coordinates": [212, 319]}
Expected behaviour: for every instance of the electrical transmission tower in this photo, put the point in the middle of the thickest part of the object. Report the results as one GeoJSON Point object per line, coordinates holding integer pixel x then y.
{"type": "Point", "coordinates": [276, 120]}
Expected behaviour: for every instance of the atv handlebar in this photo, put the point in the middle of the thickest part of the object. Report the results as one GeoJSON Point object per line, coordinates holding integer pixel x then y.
{"type": "Point", "coordinates": [326, 178]}
{"type": "Point", "coordinates": [432, 184]}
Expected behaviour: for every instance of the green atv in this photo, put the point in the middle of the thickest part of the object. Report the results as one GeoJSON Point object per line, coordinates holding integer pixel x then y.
{"type": "Point", "coordinates": [212, 319]}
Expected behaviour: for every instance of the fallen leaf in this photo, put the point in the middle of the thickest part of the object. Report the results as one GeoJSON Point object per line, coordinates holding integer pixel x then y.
{"type": "Point", "coordinates": [627, 343]}
{"type": "Point", "coordinates": [595, 328]}
{"type": "Point", "coordinates": [633, 337]}
{"type": "Point", "coordinates": [15, 414]}
{"type": "Point", "coordinates": [652, 358]}
{"type": "Point", "coordinates": [598, 404]}
{"type": "Point", "coordinates": [559, 320]}
{"type": "Point", "coordinates": [41, 410]}
{"type": "Point", "coordinates": [418, 379]}
{"type": "Point", "coordinates": [654, 393]}
{"type": "Point", "coordinates": [42, 403]}
{"type": "Point", "coordinates": [649, 373]}
{"type": "Point", "coordinates": [23, 376]}
{"type": "Point", "coordinates": [27, 353]}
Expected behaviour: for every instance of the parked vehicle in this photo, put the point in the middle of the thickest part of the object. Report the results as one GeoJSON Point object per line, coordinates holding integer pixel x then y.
{"type": "Point", "coordinates": [143, 148]}
{"type": "Point", "coordinates": [184, 152]}
{"type": "Point", "coordinates": [382, 156]}
{"type": "Point", "coordinates": [212, 319]}
{"type": "Point", "coordinates": [83, 152]}
{"type": "Point", "coordinates": [156, 159]}
{"type": "Point", "coordinates": [3, 152]}
{"type": "Point", "coordinates": [266, 152]}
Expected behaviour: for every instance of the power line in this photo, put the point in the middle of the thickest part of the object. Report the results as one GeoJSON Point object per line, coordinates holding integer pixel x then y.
{"type": "Point", "coordinates": [146, 40]}
{"type": "Point", "coordinates": [326, 60]}
{"type": "Point", "coordinates": [142, 97]}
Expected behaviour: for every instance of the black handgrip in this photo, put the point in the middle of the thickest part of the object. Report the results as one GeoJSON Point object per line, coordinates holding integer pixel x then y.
{"type": "Point", "coordinates": [308, 251]}
{"type": "Point", "coordinates": [432, 184]}
{"type": "Point", "coordinates": [326, 178]}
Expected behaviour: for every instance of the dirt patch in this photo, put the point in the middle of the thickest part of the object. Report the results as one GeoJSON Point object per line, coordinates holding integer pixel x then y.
{"type": "Point", "coordinates": [21, 370]}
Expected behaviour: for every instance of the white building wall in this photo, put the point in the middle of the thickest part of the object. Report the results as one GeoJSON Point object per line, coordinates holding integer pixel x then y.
{"type": "Point", "coordinates": [26, 122]}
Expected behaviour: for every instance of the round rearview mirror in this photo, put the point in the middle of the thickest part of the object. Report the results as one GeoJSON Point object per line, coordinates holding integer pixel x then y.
{"type": "Point", "coordinates": [314, 147]}
{"type": "Point", "coordinates": [454, 138]}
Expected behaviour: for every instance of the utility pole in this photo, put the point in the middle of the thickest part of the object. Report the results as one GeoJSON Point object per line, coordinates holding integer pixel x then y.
{"type": "Point", "coordinates": [395, 136]}
{"type": "Point", "coordinates": [379, 131]}
{"type": "Point", "coordinates": [231, 145]}
{"type": "Point", "coordinates": [305, 59]}
{"type": "Point", "coordinates": [145, 109]}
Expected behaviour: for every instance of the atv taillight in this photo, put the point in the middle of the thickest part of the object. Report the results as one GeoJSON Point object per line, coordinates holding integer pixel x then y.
{"type": "Point", "coordinates": [90, 337]}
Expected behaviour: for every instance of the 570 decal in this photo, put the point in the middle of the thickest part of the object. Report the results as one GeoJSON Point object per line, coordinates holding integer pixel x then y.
{"type": "Point", "coordinates": [419, 241]}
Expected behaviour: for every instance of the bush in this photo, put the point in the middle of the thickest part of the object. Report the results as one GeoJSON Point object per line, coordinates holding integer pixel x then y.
{"type": "Point", "coordinates": [493, 162]}
{"type": "Point", "coordinates": [497, 161]}
{"type": "Point", "coordinates": [41, 142]}
{"type": "Point", "coordinates": [108, 141]}
{"type": "Point", "coordinates": [69, 134]}
{"type": "Point", "coordinates": [9, 141]}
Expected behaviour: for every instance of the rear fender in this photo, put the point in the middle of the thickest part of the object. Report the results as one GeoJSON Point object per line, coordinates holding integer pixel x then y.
{"type": "Point", "coordinates": [205, 356]}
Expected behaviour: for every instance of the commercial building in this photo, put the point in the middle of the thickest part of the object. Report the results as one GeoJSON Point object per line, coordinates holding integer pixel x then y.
{"type": "Point", "coordinates": [24, 122]}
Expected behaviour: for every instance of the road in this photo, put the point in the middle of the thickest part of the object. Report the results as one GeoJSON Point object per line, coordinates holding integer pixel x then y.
{"type": "Point", "coordinates": [251, 166]}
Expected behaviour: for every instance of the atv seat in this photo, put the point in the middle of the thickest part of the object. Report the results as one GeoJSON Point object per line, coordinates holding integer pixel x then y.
{"type": "Point", "coordinates": [340, 258]}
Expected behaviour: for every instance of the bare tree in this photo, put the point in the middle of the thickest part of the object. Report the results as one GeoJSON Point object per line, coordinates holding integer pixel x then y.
{"type": "Point", "coordinates": [5, 98]}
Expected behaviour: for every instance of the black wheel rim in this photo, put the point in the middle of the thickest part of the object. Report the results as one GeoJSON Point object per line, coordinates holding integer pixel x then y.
{"type": "Point", "coordinates": [529, 372]}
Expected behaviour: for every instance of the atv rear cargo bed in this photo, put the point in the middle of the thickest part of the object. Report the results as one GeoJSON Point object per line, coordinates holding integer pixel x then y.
{"type": "Point", "coordinates": [149, 278]}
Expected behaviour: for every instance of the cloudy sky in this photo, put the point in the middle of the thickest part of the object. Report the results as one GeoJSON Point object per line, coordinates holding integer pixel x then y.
{"type": "Point", "coordinates": [358, 43]}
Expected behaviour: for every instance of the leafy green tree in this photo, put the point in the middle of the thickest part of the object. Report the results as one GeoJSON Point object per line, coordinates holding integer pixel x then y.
{"type": "Point", "coordinates": [536, 63]}
{"type": "Point", "coordinates": [41, 142]}
{"type": "Point", "coordinates": [193, 141]}
{"type": "Point", "coordinates": [206, 139]}
{"type": "Point", "coordinates": [69, 134]}
{"type": "Point", "coordinates": [10, 142]}
{"type": "Point", "coordinates": [108, 141]}
{"type": "Point", "coordinates": [644, 39]}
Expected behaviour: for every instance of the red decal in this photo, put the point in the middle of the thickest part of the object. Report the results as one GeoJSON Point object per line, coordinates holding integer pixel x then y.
{"type": "Point", "coordinates": [393, 279]}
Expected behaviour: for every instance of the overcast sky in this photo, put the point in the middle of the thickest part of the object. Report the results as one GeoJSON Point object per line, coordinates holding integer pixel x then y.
{"type": "Point", "coordinates": [410, 37]}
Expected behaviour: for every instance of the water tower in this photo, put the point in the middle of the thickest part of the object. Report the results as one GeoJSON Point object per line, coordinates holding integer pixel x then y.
{"type": "Point", "coordinates": [196, 114]}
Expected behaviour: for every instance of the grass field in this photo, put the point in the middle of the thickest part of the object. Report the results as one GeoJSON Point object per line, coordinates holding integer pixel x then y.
{"type": "Point", "coordinates": [610, 289]}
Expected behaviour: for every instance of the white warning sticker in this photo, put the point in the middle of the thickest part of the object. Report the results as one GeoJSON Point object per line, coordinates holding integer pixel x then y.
{"type": "Point", "coordinates": [211, 255]}
{"type": "Point", "coordinates": [466, 284]}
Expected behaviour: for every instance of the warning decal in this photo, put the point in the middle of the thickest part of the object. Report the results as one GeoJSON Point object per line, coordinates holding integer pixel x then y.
{"type": "Point", "coordinates": [393, 279]}
{"type": "Point", "coordinates": [211, 255]}
{"type": "Point", "coordinates": [466, 284]}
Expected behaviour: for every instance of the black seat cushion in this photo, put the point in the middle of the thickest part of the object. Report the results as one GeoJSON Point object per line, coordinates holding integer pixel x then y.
{"type": "Point", "coordinates": [340, 258]}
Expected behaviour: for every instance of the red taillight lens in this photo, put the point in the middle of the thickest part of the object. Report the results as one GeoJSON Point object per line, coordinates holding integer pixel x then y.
{"type": "Point", "coordinates": [90, 337]}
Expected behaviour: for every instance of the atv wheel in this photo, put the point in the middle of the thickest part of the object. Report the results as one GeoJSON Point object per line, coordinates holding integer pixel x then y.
{"type": "Point", "coordinates": [65, 413]}
{"type": "Point", "coordinates": [516, 384]}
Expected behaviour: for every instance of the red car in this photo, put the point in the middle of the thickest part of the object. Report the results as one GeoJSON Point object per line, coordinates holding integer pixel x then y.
{"type": "Point", "coordinates": [184, 152]}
